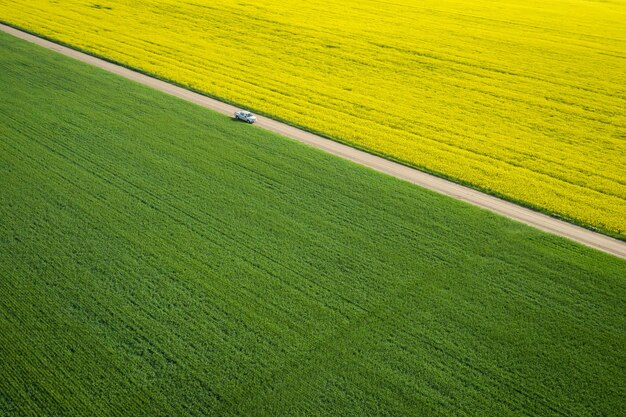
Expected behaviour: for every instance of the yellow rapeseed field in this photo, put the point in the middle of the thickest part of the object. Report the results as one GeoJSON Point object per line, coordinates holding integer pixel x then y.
{"type": "Point", "coordinates": [524, 98]}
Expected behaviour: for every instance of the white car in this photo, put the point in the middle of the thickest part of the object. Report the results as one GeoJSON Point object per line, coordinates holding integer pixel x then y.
{"type": "Point", "coordinates": [246, 116]}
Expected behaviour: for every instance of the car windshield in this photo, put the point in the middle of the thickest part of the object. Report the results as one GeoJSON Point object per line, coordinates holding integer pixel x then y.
{"type": "Point", "coordinates": [246, 114]}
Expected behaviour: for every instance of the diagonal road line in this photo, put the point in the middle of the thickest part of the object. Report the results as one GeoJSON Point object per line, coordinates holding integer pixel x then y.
{"type": "Point", "coordinates": [431, 182]}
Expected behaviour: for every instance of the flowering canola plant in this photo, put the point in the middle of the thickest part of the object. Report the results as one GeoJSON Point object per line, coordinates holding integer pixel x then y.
{"type": "Point", "coordinates": [524, 99]}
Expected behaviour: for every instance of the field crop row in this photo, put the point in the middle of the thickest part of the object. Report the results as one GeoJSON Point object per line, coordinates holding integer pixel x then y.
{"type": "Point", "coordinates": [160, 259]}
{"type": "Point", "coordinates": [524, 98]}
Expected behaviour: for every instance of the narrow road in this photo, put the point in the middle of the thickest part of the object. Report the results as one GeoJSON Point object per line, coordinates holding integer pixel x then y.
{"type": "Point", "coordinates": [477, 198]}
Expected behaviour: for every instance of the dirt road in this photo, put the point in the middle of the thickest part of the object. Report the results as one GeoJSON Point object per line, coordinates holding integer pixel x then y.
{"type": "Point", "coordinates": [477, 198]}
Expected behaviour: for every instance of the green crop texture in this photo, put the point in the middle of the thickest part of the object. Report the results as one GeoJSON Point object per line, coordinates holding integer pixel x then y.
{"type": "Point", "coordinates": [160, 259]}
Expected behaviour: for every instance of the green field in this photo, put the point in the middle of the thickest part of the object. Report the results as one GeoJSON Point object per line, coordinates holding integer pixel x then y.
{"type": "Point", "coordinates": [158, 258]}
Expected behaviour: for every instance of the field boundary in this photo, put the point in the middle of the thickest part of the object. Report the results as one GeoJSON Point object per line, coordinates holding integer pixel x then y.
{"type": "Point", "coordinates": [486, 190]}
{"type": "Point", "coordinates": [382, 164]}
